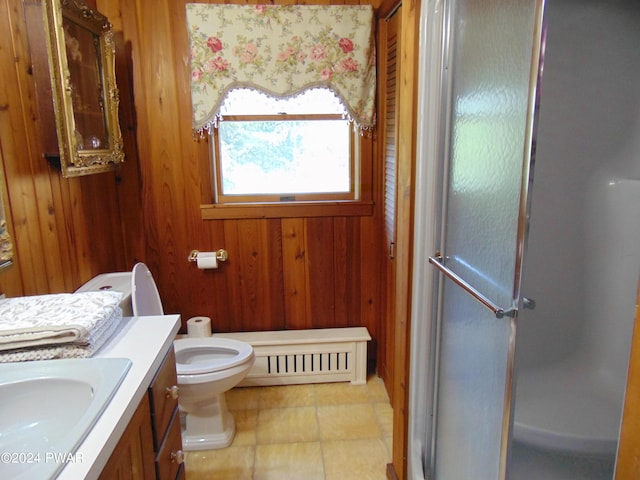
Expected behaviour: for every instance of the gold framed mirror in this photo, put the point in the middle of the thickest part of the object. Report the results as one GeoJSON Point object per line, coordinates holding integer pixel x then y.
{"type": "Point", "coordinates": [6, 246]}
{"type": "Point", "coordinates": [81, 54]}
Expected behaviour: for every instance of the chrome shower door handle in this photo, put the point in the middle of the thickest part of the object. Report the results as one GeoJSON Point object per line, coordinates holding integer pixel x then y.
{"type": "Point", "coordinates": [438, 262]}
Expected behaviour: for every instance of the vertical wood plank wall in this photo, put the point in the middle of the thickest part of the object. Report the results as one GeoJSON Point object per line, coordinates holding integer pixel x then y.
{"type": "Point", "coordinates": [281, 274]}
{"type": "Point", "coordinates": [64, 231]}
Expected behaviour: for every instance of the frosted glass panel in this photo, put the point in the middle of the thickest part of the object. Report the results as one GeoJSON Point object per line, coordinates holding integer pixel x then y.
{"type": "Point", "coordinates": [471, 392]}
{"type": "Point", "coordinates": [491, 51]}
{"type": "Point", "coordinates": [491, 68]}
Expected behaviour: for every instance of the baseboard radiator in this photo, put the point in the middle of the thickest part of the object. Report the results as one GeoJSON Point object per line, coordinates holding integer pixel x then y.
{"type": "Point", "coordinates": [306, 356]}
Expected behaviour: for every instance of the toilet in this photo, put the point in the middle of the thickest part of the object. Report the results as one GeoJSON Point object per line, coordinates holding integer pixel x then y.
{"type": "Point", "coordinates": [206, 366]}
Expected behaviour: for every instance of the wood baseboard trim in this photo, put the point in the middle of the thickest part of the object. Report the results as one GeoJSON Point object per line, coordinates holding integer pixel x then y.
{"type": "Point", "coordinates": [391, 472]}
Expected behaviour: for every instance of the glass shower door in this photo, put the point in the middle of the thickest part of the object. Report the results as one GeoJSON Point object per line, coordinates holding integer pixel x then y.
{"type": "Point", "coordinates": [494, 49]}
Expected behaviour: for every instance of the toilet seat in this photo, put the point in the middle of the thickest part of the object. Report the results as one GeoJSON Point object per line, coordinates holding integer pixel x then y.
{"type": "Point", "coordinates": [194, 356]}
{"type": "Point", "coordinates": [210, 354]}
{"type": "Point", "coordinates": [145, 299]}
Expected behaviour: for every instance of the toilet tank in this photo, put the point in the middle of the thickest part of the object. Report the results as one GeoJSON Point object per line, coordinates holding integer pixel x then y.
{"type": "Point", "coordinates": [118, 281]}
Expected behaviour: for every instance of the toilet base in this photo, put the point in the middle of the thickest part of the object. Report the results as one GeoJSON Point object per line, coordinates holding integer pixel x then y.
{"type": "Point", "coordinates": [211, 441]}
{"type": "Point", "coordinates": [210, 429]}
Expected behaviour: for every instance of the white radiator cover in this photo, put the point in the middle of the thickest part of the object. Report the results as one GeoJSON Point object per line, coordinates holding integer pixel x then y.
{"type": "Point", "coordinates": [287, 357]}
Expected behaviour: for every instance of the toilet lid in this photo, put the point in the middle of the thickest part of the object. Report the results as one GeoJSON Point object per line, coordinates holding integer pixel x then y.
{"type": "Point", "coordinates": [145, 299]}
{"type": "Point", "coordinates": [196, 356]}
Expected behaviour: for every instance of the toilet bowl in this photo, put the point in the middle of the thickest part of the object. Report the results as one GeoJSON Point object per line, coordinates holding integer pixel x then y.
{"type": "Point", "coordinates": [206, 366]}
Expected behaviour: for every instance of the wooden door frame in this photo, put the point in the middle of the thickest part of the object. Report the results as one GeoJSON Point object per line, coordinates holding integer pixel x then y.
{"type": "Point", "coordinates": [406, 164]}
{"type": "Point", "coordinates": [387, 32]}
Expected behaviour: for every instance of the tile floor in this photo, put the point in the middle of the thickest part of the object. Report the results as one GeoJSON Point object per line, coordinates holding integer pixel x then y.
{"type": "Point", "coordinates": [312, 432]}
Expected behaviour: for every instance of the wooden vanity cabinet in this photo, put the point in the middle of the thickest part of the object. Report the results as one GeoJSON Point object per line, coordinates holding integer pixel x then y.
{"type": "Point", "coordinates": [151, 446]}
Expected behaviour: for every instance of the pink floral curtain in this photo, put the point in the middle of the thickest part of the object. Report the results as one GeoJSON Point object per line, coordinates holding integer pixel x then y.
{"type": "Point", "coordinates": [282, 51]}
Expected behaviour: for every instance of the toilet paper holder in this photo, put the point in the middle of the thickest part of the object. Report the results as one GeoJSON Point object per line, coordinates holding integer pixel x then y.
{"type": "Point", "coordinates": [221, 255]}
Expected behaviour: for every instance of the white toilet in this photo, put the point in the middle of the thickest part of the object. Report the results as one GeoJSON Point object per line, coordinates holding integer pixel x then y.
{"type": "Point", "coordinates": [207, 367]}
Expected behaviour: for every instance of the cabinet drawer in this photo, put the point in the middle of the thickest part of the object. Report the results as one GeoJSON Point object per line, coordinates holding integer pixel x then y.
{"type": "Point", "coordinates": [163, 396]}
{"type": "Point", "coordinates": [169, 459]}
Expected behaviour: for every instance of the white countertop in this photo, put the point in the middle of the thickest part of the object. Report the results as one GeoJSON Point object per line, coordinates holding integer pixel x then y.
{"type": "Point", "coordinates": [145, 341]}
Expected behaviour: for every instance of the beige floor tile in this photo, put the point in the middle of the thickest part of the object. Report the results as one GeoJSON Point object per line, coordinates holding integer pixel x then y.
{"type": "Point", "coordinates": [289, 461]}
{"type": "Point", "coordinates": [287, 396]}
{"type": "Point", "coordinates": [232, 463]}
{"type": "Point", "coordinates": [307, 432]}
{"type": "Point", "coordinates": [340, 393]}
{"type": "Point", "coordinates": [348, 422]}
{"type": "Point", "coordinates": [388, 441]}
{"type": "Point", "coordinates": [384, 414]}
{"type": "Point", "coordinates": [355, 459]}
{"type": "Point", "coordinates": [376, 389]}
{"type": "Point", "coordinates": [243, 398]}
{"type": "Point", "coordinates": [287, 425]}
{"type": "Point", "coordinates": [246, 423]}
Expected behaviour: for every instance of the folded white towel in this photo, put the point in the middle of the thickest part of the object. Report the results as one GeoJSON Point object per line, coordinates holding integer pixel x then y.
{"type": "Point", "coordinates": [52, 352]}
{"type": "Point", "coordinates": [65, 318]}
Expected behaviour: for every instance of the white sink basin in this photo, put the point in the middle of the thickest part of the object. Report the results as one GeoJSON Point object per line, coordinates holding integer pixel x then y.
{"type": "Point", "coordinates": [48, 407]}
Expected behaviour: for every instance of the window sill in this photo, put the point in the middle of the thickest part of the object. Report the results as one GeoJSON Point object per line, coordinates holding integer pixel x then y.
{"type": "Point", "coordinates": [286, 210]}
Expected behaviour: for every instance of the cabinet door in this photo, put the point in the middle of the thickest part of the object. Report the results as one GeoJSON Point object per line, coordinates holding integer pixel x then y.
{"type": "Point", "coordinates": [133, 456]}
{"type": "Point", "coordinates": [164, 399]}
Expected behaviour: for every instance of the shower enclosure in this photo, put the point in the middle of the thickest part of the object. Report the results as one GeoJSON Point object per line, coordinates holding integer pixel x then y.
{"type": "Point", "coordinates": [574, 306]}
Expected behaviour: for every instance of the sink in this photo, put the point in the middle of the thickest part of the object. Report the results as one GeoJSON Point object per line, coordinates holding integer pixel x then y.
{"type": "Point", "coordinates": [48, 407]}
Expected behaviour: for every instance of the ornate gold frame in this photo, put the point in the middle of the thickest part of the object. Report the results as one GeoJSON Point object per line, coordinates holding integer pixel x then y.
{"type": "Point", "coordinates": [85, 95]}
{"type": "Point", "coordinates": [6, 246]}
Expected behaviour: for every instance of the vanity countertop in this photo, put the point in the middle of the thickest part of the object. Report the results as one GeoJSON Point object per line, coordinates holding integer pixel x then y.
{"type": "Point", "coordinates": [145, 341]}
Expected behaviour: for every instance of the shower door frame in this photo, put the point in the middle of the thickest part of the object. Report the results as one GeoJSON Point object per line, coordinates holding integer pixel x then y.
{"type": "Point", "coordinates": [432, 154]}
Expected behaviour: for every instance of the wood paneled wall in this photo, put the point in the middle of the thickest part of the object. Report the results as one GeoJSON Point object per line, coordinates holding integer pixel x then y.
{"type": "Point", "coordinates": [284, 273]}
{"type": "Point", "coordinates": [281, 273]}
{"type": "Point", "coordinates": [64, 231]}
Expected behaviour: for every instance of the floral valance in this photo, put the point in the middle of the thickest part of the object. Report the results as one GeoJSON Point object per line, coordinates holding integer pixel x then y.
{"type": "Point", "coordinates": [282, 51]}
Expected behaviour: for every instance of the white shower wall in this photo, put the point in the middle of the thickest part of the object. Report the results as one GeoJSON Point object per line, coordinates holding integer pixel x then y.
{"type": "Point", "coordinates": [588, 153]}
{"type": "Point", "coordinates": [612, 240]}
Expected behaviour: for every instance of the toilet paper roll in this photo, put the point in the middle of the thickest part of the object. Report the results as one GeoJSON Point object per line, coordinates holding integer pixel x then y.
{"type": "Point", "coordinates": [199, 327]}
{"type": "Point", "coordinates": [207, 260]}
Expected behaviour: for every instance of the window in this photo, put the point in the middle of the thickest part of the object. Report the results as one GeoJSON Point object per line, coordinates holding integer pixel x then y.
{"type": "Point", "coordinates": [267, 149]}
{"type": "Point", "coordinates": [280, 161]}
